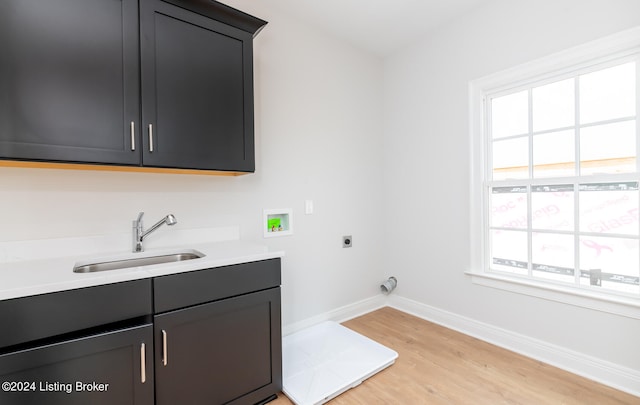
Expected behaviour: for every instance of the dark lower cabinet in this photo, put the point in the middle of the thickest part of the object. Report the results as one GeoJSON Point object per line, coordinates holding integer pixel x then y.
{"type": "Point", "coordinates": [204, 337]}
{"type": "Point", "coordinates": [105, 369]}
{"type": "Point", "coordinates": [220, 352]}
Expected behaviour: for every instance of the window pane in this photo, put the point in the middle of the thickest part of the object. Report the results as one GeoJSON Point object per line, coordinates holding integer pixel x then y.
{"type": "Point", "coordinates": [552, 257]}
{"type": "Point", "coordinates": [554, 154]}
{"type": "Point", "coordinates": [510, 115]}
{"type": "Point", "coordinates": [610, 263]}
{"type": "Point", "coordinates": [555, 150]}
{"type": "Point", "coordinates": [509, 207]}
{"type": "Point", "coordinates": [554, 105]}
{"type": "Point", "coordinates": [511, 159]}
{"type": "Point", "coordinates": [509, 251]}
{"type": "Point", "coordinates": [608, 94]}
{"type": "Point", "coordinates": [552, 207]}
{"type": "Point", "coordinates": [608, 148]}
{"type": "Point", "coordinates": [609, 208]}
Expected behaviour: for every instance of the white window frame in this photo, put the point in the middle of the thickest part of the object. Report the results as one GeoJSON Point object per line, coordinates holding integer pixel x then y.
{"type": "Point", "coordinates": [617, 46]}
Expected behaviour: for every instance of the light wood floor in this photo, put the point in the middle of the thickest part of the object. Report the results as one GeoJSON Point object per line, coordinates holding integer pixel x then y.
{"type": "Point", "coordinates": [437, 365]}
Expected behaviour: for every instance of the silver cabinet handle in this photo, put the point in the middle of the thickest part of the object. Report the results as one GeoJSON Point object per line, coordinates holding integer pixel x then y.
{"type": "Point", "coordinates": [165, 358]}
{"type": "Point", "coordinates": [150, 137]}
{"type": "Point", "coordinates": [133, 135]}
{"type": "Point", "coordinates": [143, 364]}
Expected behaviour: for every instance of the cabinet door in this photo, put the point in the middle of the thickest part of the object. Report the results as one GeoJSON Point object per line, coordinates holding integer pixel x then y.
{"type": "Point", "coordinates": [197, 90]}
{"type": "Point", "coordinates": [227, 351]}
{"type": "Point", "coordinates": [69, 80]}
{"type": "Point", "coordinates": [51, 374]}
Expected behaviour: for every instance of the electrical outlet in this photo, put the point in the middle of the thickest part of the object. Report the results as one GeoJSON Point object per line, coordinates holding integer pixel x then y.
{"type": "Point", "coordinates": [347, 241]}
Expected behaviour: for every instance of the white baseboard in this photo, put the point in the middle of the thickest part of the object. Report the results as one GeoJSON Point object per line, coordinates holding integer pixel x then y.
{"type": "Point", "coordinates": [613, 375]}
{"type": "Point", "coordinates": [338, 315]}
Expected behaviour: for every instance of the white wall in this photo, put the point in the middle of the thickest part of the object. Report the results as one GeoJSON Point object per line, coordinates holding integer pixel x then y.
{"type": "Point", "coordinates": [427, 167]}
{"type": "Point", "coordinates": [318, 133]}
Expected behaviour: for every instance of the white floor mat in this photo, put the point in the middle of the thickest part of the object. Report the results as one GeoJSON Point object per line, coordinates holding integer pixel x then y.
{"type": "Point", "coordinates": [321, 362]}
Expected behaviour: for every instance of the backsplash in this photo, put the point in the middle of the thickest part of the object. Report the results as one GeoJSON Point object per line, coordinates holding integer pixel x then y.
{"type": "Point", "coordinates": [16, 251]}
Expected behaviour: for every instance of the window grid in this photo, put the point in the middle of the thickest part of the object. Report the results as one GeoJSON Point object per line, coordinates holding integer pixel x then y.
{"type": "Point", "coordinates": [576, 191]}
{"type": "Point", "coordinates": [576, 180]}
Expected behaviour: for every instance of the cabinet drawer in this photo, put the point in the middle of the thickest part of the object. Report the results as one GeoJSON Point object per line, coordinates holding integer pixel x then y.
{"type": "Point", "coordinates": [42, 316]}
{"type": "Point", "coordinates": [186, 289]}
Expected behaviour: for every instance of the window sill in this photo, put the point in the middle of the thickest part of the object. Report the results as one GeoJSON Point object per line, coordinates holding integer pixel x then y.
{"type": "Point", "coordinates": [618, 305]}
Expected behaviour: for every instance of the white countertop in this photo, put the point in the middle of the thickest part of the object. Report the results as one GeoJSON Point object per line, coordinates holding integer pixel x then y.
{"type": "Point", "coordinates": [46, 275]}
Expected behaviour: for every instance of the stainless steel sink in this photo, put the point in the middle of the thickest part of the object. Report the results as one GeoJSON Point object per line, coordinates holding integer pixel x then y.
{"type": "Point", "coordinates": [136, 262]}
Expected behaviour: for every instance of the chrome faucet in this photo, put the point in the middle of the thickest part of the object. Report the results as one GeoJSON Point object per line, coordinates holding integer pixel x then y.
{"type": "Point", "coordinates": [139, 233]}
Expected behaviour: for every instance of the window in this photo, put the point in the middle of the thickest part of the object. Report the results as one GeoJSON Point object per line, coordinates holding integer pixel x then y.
{"type": "Point", "coordinates": [555, 146]}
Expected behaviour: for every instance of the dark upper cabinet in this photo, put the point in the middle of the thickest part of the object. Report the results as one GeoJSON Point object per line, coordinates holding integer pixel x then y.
{"type": "Point", "coordinates": [197, 90]}
{"type": "Point", "coordinates": [98, 81]}
{"type": "Point", "coordinates": [69, 80]}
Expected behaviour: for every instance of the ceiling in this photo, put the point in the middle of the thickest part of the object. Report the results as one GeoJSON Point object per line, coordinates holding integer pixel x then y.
{"type": "Point", "coordinates": [379, 26]}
